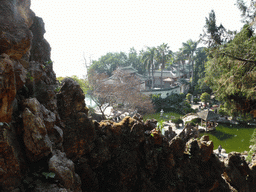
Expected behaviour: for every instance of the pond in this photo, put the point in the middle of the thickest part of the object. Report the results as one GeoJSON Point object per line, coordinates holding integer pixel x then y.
{"type": "Point", "coordinates": [232, 137]}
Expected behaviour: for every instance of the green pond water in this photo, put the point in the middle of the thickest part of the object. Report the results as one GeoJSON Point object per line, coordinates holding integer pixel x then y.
{"type": "Point", "coordinates": [231, 137]}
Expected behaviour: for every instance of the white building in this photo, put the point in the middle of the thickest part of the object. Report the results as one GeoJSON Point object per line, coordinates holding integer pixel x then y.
{"type": "Point", "coordinates": [173, 81]}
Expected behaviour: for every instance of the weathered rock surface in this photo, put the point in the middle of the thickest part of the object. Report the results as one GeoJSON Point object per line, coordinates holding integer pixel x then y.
{"type": "Point", "coordinates": [79, 131]}
{"type": "Point", "coordinates": [48, 132]}
{"type": "Point", "coordinates": [36, 139]}
{"type": "Point", "coordinates": [12, 162]}
{"type": "Point", "coordinates": [15, 36]}
{"type": "Point", "coordinates": [65, 171]}
{"type": "Point", "coordinates": [7, 88]}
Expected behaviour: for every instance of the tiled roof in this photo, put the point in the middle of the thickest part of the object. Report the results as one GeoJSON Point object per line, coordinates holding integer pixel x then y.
{"type": "Point", "coordinates": [207, 114]}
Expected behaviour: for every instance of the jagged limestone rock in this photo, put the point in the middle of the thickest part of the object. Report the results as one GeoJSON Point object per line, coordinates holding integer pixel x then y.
{"type": "Point", "coordinates": [35, 136]}
{"type": "Point", "coordinates": [65, 171]}
{"type": "Point", "coordinates": [15, 36]}
{"type": "Point", "coordinates": [12, 162]}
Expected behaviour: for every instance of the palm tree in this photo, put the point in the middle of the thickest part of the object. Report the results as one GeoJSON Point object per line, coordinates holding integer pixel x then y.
{"type": "Point", "coordinates": [163, 55]}
{"type": "Point", "coordinates": [189, 49]}
{"type": "Point", "coordinates": [179, 60]}
{"type": "Point", "coordinates": [149, 61]}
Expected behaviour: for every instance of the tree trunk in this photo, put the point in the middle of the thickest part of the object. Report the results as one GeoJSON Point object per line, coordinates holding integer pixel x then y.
{"type": "Point", "coordinates": [161, 77]}
{"type": "Point", "coordinates": [152, 77]}
{"type": "Point", "coordinates": [192, 82]}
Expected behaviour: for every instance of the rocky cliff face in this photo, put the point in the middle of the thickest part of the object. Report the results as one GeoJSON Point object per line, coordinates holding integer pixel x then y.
{"type": "Point", "coordinates": [48, 143]}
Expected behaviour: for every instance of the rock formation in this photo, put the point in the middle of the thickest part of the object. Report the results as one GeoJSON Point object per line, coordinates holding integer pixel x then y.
{"type": "Point", "coordinates": [48, 143]}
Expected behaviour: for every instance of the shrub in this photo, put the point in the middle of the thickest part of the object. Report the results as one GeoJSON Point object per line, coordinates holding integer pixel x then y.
{"type": "Point", "coordinates": [253, 149]}
{"type": "Point", "coordinates": [205, 97]}
{"type": "Point", "coordinates": [177, 121]}
{"type": "Point", "coordinates": [196, 100]}
{"type": "Point", "coordinates": [188, 110]}
{"type": "Point", "coordinates": [222, 112]}
{"type": "Point", "coordinates": [191, 123]}
{"type": "Point", "coordinates": [188, 97]}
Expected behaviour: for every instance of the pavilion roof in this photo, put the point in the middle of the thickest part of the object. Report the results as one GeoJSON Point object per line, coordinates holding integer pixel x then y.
{"type": "Point", "coordinates": [208, 115]}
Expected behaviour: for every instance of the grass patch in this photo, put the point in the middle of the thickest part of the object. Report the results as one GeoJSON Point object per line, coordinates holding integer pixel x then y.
{"type": "Point", "coordinates": [232, 137]}
{"type": "Point", "coordinates": [166, 116]}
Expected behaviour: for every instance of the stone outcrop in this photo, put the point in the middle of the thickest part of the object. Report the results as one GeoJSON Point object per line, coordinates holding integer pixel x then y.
{"type": "Point", "coordinates": [15, 36]}
{"type": "Point", "coordinates": [7, 88]}
{"type": "Point", "coordinates": [12, 163]}
{"type": "Point", "coordinates": [48, 143]}
{"type": "Point", "coordinates": [78, 131]}
{"type": "Point", "coordinates": [36, 139]}
{"type": "Point", "coordinates": [65, 171]}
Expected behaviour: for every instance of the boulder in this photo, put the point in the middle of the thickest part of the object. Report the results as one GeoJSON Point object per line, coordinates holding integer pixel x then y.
{"type": "Point", "coordinates": [206, 149]}
{"type": "Point", "coordinates": [35, 136]}
{"type": "Point", "coordinates": [12, 162]}
{"type": "Point", "coordinates": [79, 132]}
{"type": "Point", "coordinates": [177, 146]}
{"type": "Point", "coordinates": [238, 172]}
{"type": "Point", "coordinates": [65, 171]}
{"type": "Point", "coordinates": [7, 88]}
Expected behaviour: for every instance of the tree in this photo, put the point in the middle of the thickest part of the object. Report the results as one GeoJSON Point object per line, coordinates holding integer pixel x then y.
{"type": "Point", "coordinates": [123, 88]}
{"type": "Point", "coordinates": [189, 49]}
{"type": "Point", "coordinates": [149, 61]}
{"type": "Point", "coordinates": [135, 60]}
{"type": "Point", "coordinates": [205, 97]}
{"type": "Point", "coordinates": [108, 63]}
{"type": "Point", "coordinates": [127, 89]}
{"type": "Point", "coordinates": [102, 94]}
{"type": "Point", "coordinates": [180, 59]}
{"type": "Point", "coordinates": [189, 97]}
{"type": "Point", "coordinates": [248, 12]}
{"type": "Point", "coordinates": [199, 70]}
{"type": "Point", "coordinates": [215, 35]}
{"type": "Point", "coordinates": [231, 71]}
{"type": "Point", "coordinates": [163, 55]}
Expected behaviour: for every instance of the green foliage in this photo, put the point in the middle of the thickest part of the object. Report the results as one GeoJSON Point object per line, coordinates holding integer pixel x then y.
{"type": "Point", "coordinates": [231, 71]}
{"type": "Point", "coordinates": [253, 144]}
{"type": "Point", "coordinates": [163, 55]}
{"type": "Point", "coordinates": [222, 112]}
{"type": "Point", "coordinates": [160, 125]}
{"type": "Point", "coordinates": [189, 49]}
{"type": "Point", "coordinates": [108, 63]}
{"type": "Point", "coordinates": [193, 122]}
{"type": "Point", "coordinates": [196, 100]}
{"type": "Point", "coordinates": [248, 12]}
{"type": "Point", "coordinates": [177, 120]}
{"type": "Point", "coordinates": [189, 97]}
{"type": "Point", "coordinates": [48, 175]}
{"type": "Point", "coordinates": [148, 59]}
{"type": "Point", "coordinates": [159, 118]}
{"type": "Point", "coordinates": [48, 62]}
{"type": "Point", "coordinates": [29, 76]}
{"type": "Point", "coordinates": [57, 89]}
{"type": "Point", "coordinates": [173, 99]}
{"type": "Point", "coordinates": [205, 97]}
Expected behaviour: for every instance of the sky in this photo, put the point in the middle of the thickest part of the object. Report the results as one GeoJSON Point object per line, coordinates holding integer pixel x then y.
{"type": "Point", "coordinates": [89, 29]}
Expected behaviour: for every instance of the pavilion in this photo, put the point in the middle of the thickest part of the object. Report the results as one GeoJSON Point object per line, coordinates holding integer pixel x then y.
{"type": "Point", "coordinates": [207, 116]}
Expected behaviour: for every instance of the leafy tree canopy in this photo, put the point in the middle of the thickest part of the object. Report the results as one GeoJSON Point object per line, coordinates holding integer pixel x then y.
{"type": "Point", "coordinates": [205, 97]}
{"type": "Point", "coordinates": [231, 71]}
